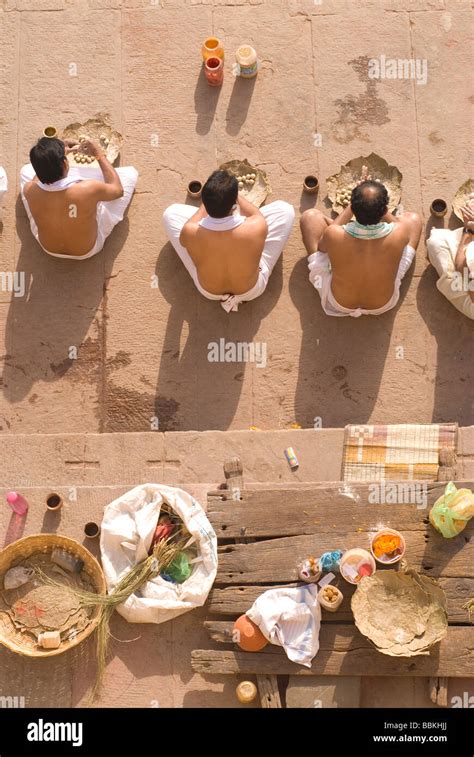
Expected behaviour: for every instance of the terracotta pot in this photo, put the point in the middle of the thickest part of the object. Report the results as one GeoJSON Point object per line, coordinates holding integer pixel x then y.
{"type": "Point", "coordinates": [54, 502]}
{"type": "Point", "coordinates": [439, 208]}
{"type": "Point", "coordinates": [311, 184]}
{"type": "Point", "coordinates": [248, 635]}
{"type": "Point", "coordinates": [91, 530]}
{"type": "Point", "coordinates": [194, 188]}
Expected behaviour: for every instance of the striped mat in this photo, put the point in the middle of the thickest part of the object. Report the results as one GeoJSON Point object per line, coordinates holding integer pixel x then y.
{"type": "Point", "coordinates": [404, 452]}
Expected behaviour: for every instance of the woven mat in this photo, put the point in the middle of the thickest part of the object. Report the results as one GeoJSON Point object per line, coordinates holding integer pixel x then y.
{"type": "Point", "coordinates": [405, 452]}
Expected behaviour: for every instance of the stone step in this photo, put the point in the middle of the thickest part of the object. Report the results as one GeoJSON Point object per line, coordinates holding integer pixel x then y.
{"type": "Point", "coordinates": [181, 457]}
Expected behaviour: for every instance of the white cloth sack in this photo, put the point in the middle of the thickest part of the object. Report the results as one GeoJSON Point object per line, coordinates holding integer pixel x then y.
{"type": "Point", "coordinates": [290, 618]}
{"type": "Point", "coordinates": [126, 534]}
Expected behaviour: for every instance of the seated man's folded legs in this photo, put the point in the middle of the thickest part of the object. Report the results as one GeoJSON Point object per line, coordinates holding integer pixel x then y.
{"type": "Point", "coordinates": [416, 226]}
{"type": "Point", "coordinates": [111, 212]}
{"type": "Point", "coordinates": [174, 218]}
{"type": "Point", "coordinates": [279, 216]}
{"type": "Point", "coordinates": [27, 173]}
{"type": "Point", "coordinates": [313, 224]}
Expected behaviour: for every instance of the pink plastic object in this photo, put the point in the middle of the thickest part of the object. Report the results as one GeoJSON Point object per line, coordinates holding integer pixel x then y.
{"type": "Point", "coordinates": [365, 570]}
{"type": "Point", "coordinates": [18, 504]}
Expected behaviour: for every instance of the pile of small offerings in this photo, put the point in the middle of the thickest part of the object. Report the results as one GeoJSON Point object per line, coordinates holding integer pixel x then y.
{"type": "Point", "coordinates": [82, 155]}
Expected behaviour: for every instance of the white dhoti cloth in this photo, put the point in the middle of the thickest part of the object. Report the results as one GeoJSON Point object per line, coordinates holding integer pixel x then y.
{"type": "Point", "coordinates": [279, 216]}
{"type": "Point", "coordinates": [442, 247]}
{"type": "Point", "coordinates": [109, 214]}
{"type": "Point", "coordinates": [320, 276]}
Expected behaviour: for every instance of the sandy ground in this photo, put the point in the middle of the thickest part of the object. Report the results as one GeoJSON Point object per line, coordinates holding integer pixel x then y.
{"type": "Point", "coordinates": [142, 349]}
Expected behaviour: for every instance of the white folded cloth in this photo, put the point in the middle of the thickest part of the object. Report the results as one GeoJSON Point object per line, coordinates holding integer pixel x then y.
{"type": "Point", "coordinates": [290, 618]}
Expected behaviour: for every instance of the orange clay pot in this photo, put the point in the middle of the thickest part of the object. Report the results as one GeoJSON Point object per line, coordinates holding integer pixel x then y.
{"type": "Point", "coordinates": [248, 635]}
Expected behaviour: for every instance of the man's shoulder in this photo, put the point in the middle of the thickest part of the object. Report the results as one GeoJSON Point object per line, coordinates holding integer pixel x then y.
{"type": "Point", "coordinates": [333, 232]}
{"type": "Point", "coordinates": [252, 225]}
{"type": "Point", "coordinates": [86, 185]}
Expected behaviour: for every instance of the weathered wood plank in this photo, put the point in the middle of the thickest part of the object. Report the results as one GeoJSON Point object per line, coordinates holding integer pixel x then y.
{"type": "Point", "coordinates": [344, 651]}
{"type": "Point", "coordinates": [274, 560]}
{"type": "Point", "coordinates": [438, 688]}
{"type": "Point", "coordinates": [287, 512]}
{"type": "Point", "coordinates": [269, 692]}
{"type": "Point", "coordinates": [236, 600]}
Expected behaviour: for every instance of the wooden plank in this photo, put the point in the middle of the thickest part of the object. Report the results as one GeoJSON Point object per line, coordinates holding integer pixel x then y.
{"type": "Point", "coordinates": [274, 560]}
{"type": "Point", "coordinates": [344, 651]}
{"type": "Point", "coordinates": [233, 471]}
{"type": "Point", "coordinates": [286, 512]}
{"type": "Point", "coordinates": [438, 688]}
{"type": "Point", "coordinates": [236, 600]}
{"type": "Point", "coordinates": [269, 692]}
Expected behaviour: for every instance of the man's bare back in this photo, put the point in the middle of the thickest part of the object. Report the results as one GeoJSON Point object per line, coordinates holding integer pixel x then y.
{"type": "Point", "coordinates": [367, 264]}
{"type": "Point", "coordinates": [364, 270]}
{"type": "Point", "coordinates": [227, 262]}
{"type": "Point", "coordinates": [67, 218]}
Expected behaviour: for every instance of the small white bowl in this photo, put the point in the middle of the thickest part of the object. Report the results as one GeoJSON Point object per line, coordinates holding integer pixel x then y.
{"type": "Point", "coordinates": [392, 532]}
{"type": "Point", "coordinates": [353, 555]}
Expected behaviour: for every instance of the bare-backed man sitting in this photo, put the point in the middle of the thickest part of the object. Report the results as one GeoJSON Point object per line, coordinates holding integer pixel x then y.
{"type": "Point", "coordinates": [357, 265]}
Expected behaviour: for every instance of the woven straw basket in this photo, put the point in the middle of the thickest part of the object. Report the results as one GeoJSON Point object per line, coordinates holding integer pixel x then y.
{"type": "Point", "coordinates": [19, 550]}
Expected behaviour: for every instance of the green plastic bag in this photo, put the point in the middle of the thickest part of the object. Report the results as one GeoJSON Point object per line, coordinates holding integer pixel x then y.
{"type": "Point", "coordinates": [180, 569]}
{"type": "Point", "coordinates": [452, 511]}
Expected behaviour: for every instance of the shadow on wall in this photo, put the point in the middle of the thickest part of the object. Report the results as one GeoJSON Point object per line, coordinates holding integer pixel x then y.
{"type": "Point", "coordinates": [193, 393]}
{"type": "Point", "coordinates": [454, 333]}
{"type": "Point", "coordinates": [341, 359]}
{"type": "Point", "coordinates": [60, 304]}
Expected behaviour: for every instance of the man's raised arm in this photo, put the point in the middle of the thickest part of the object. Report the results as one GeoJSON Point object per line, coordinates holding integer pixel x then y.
{"type": "Point", "coordinates": [112, 188]}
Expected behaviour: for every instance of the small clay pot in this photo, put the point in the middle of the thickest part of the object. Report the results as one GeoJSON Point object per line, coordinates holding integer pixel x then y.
{"type": "Point", "coordinates": [311, 184]}
{"type": "Point", "coordinates": [91, 530]}
{"type": "Point", "coordinates": [212, 48]}
{"type": "Point", "coordinates": [214, 71]}
{"type": "Point", "coordinates": [249, 636]}
{"type": "Point", "coordinates": [50, 131]}
{"type": "Point", "coordinates": [246, 692]}
{"type": "Point", "coordinates": [53, 502]}
{"type": "Point", "coordinates": [195, 188]}
{"type": "Point", "coordinates": [439, 208]}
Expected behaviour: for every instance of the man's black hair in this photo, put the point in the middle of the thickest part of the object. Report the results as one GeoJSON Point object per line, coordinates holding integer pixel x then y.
{"type": "Point", "coordinates": [369, 202]}
{"type": "Point", "coordinates": [47, 158]}
{"type": "Point", "coordinates": [219, 194]}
